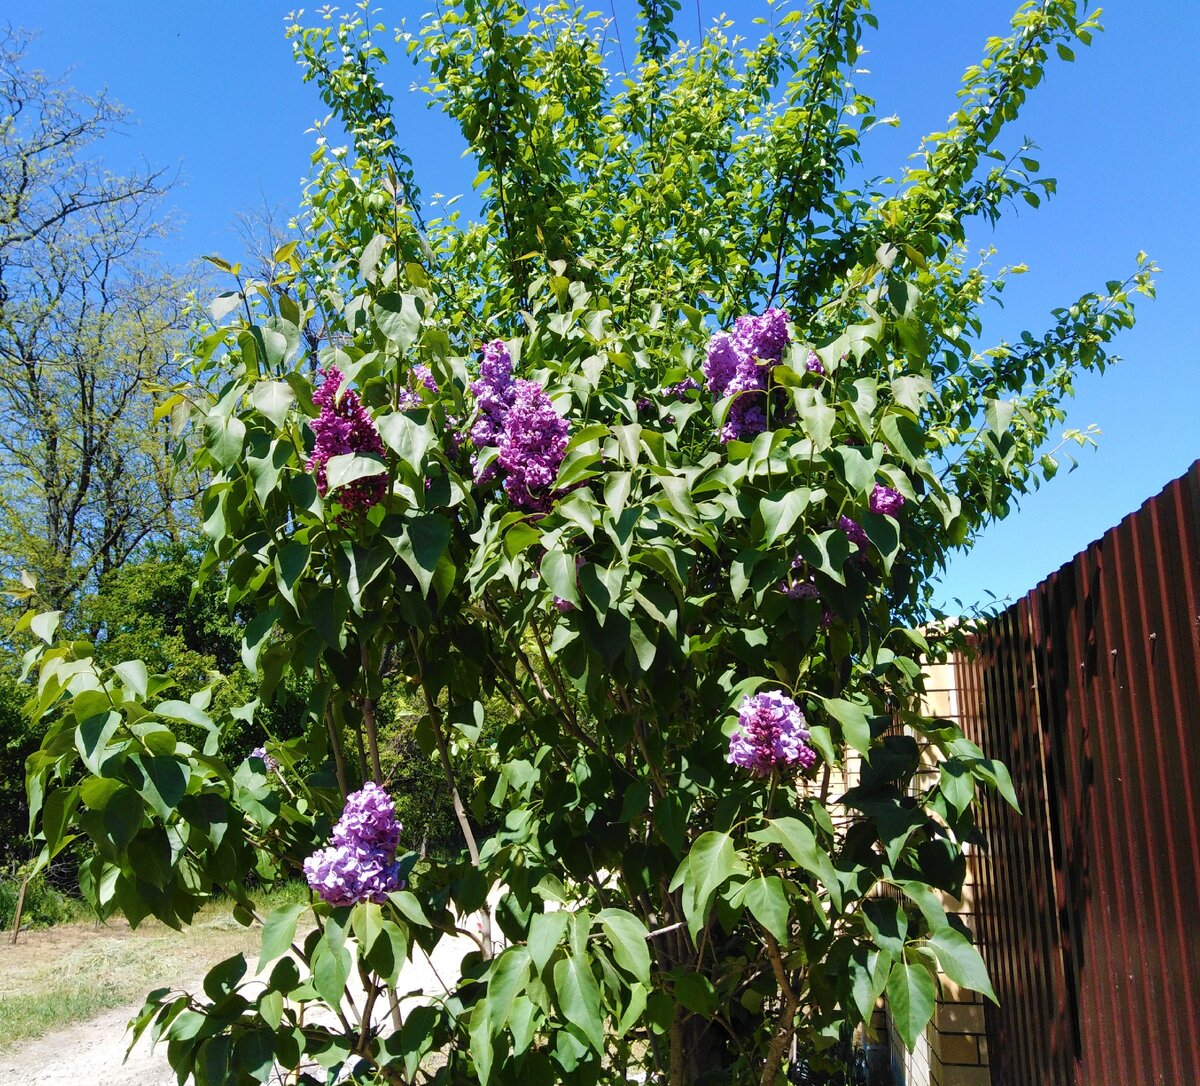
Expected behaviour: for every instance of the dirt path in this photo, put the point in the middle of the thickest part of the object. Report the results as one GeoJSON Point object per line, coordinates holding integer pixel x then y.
{"type": "Point", "coordinates": [87, 1054]}
{"type": "Point", "coordinates": [91, 1053]}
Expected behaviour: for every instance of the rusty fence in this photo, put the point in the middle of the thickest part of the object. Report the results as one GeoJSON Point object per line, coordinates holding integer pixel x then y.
{"type": "Point", "coordinates": [1088, 903]}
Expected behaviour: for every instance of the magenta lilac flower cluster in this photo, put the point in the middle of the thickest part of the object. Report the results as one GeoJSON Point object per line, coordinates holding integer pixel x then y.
{"type": "Point", "coordinates": [886, 501]}
{"type": "Point", "coordinates": [739, 365]}
{"type": "Point", "coordinates": [344, 426]}
{"type": "Point", "coordinates": [360, 864]}
{"type": "Point", "coordinates": [770, 735]}
{"type": "Point", "coordinates": [853, 531]}
{"type": "Point", "coordinates": [267, 760]}
{"type": "Point", "coordinates": [517, 418]}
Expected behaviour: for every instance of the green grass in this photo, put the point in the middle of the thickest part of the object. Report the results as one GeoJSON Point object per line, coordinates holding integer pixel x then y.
{"type": "Point", "coordinates": [75, 972]}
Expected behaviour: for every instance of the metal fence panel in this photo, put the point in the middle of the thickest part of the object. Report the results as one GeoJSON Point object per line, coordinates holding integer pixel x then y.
{"type": "Point", "coordinates": [1089, 902]}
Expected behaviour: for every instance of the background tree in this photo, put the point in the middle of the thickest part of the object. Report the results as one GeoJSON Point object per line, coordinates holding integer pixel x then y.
{"type": "Point", "coordinates": [89, 329]}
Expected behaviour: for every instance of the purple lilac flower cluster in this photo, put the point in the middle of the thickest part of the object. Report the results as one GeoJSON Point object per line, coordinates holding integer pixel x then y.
{"type": "Point", "coordinates": [886, 501]}
{"type": "Point", "coordinates": [518, 419]}
{"type": "Point", "coordinates": [677, 391]}
{"type": "Point", "coordinates": [271, 763]}
{"type": "Point", "coordinates": [853, 531]}
{"type": "Point", "coordinates": [770, 735]}
{"type": "Point", "coordinates": [344, 426]}
{"type": "Point", "coordinates": [409, 397]}
{"type": "Point", "coordinates": [739, 365]}
{"type": "Point", "coordinates": [360, 864]}
{"type": "Point", "coordinates": [814, 364]}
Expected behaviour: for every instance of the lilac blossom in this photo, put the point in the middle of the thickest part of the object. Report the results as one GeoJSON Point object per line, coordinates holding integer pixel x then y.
{"type": "Point", "coordinates": [409, 397]}
{"type": "Point", "coordinates": [799, 590]}
{"type": "Point", "coordinates": [360, 863]}
{"type": "Point", "coordinates": [886, 501]}
{"type": "Point", "coordinates": [344, 426]}
{"type": "Point", "coordinates": [493, 392]}
{"type": "Point", "coordinates": [269, 761]}
{"type": "Point", "coordinates": [678, 391]}
{"type": "Point", "coordinates": [346, 875]}
{"type": "Point", "coordinates": [531, 446]}
{"type": "Point", "coordinates": [562, 606]}
{"type": "Point", "coordinates": [770, 735]}
{"type": "Point", "coordinates": [739, 366]}
{"type": "Point", "coordinates": [814, 364]}
{"type": "Point", "coordinates": [853, 531]}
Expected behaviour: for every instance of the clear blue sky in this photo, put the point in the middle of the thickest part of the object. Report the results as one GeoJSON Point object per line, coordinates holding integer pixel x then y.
{"type": "Point", "coordinates": [217, 97]}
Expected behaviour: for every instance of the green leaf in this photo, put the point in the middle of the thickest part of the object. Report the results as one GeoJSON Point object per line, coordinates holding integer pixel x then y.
{"type": "Point", "coordinates": [366, 920]}
{"type": "Point", "coordinates": [578, 998]}
{"type": "Point", "coordinates": [508, 978]}
{"type": "Point", "coordinates": [421, 547]}
{"type": "Point", "coordinates": [765, 898]}
{"type": "Point", "coordinates": [546, 932]}
{"type": "Point", "coordinates": [961, 962]}
{"type": "Point", "coordinates": [905, 437]}
{"type": "Point", "coordinates": [910, 992]}
{"type": "Point", "coordinates": [711, 862]}
{"type": "Point", "coordinates": [330, 970]}
{"type": "Point", "coordinates": [134, 677]}
{"type": "Point", "coordinates": [225, 435]}
{"type": "Point", "coordinates": [408, 439]}
{"type": "Point", "coordinates": [801, 844]}
{"type": "Point", "coordinates": [888, 925]}
{"type": "Point", "coordinates": [628, 936]}
{"type": "Point", "coordinates": [45, 625]}
{"type": "Point", "coordinates": [695, 992]}
{"type": "Point", "coordinates": [346, 468]}
{"type": "Point", "coordinates": [854, 719]}
{"type": "Point", "coordinates": [164, 782]}
{"type": "Point", "coordinates": [558, 570]}
{"type": "Point", "coordinates": [279, 929]}
{"type": "Point", "coordinates": [998, 414]}
{"type": "Point", "coordinates": [273, 399]}
{"type": "Point", "coordinates": [398, 318]}
{"type": "Point", "coordinates": [92, 736]}
{"type": "Point", "coordinates": [780, 511]}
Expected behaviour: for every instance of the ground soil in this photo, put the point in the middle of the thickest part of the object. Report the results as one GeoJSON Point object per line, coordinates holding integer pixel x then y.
{"type": "Point", "coordinates": [92, 1053]}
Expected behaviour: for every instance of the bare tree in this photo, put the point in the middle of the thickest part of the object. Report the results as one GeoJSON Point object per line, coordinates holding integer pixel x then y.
{"type": "Point", "coordinates": [90, 328]}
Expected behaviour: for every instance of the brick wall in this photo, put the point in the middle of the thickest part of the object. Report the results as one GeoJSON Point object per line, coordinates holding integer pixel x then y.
{"type": "Point", "coordinates": [953, 1051]}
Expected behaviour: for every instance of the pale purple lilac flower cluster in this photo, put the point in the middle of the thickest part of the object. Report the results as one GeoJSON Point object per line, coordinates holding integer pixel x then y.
{"type": "Point", "coordinates": [271, 763]}
{"type": "Point", "coordinates": [770, 735]}
{"type": "Point", "coordinates": [410, 397]}
{"type": "Point", "coordinates": [344, 426]}
{"type": "Point", "coordinates": [360, 864]}
{"type": "Point", "coordinates": [814, 364]}
{"type": "Point", "coordinates": [739, 365]}
{"type": "Point", "coordinates": [517, 418]}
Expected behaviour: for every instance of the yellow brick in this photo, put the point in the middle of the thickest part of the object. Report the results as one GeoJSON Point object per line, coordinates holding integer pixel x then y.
{"type": "Point", "coordinates": [966, 1076]}
{"type": "Point", "coordinates": [958, 1048]}
{"type": "Point", "coordinates": [960, 1017]}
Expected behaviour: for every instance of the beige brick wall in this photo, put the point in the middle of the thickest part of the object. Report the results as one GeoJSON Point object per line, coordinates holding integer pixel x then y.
{"type": "Point", "coordinates": [953, 1051]}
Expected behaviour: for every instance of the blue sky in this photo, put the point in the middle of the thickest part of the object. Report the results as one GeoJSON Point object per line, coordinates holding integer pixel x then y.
{"type": "Point", "coordinates": [216, 97]}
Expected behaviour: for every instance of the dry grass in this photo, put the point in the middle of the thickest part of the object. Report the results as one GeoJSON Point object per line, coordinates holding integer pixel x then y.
{"type": "Point", "coordinates": [73, 972]}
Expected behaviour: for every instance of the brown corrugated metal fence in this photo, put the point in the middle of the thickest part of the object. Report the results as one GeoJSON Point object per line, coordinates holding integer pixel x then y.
{"type": "Point", "coordinates": [1089, 901]}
